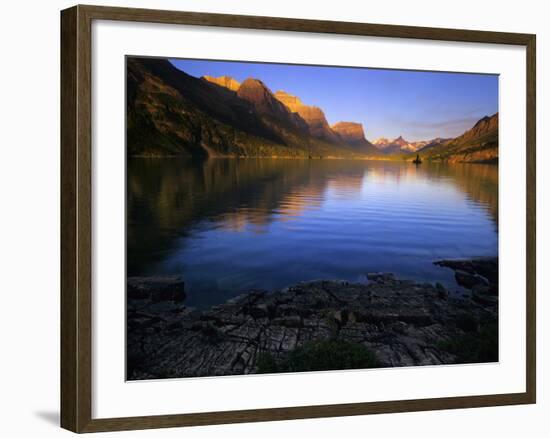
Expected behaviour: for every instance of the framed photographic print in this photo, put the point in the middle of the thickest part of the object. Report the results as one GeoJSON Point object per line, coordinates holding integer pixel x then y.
{"type": "Point", "coordinates": [268, 218]}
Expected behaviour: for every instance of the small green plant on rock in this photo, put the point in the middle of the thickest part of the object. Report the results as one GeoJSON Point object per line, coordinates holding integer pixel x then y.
{"type": "Point", "coordinates": [477, 344]}
{"type": "Point", "coordinates": [323, 355]}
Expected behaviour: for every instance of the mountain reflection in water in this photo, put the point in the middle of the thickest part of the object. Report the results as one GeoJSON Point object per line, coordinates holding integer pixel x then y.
{"type": "Point", "coordinates": [229, 225]}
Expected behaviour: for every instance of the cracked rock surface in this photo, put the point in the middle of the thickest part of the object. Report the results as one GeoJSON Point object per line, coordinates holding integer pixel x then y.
{"type": "Point", "coordinates": [402, 322]}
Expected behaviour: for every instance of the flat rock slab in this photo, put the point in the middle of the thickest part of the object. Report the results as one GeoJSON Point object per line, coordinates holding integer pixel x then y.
{"type": "Point", "coordinates": [482, 267]}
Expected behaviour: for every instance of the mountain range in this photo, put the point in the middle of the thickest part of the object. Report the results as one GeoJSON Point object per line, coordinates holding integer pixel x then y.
{"type": "Point", "coordinates": [400, 145]}
{"type": "Point", "coordinates": [171, 113]}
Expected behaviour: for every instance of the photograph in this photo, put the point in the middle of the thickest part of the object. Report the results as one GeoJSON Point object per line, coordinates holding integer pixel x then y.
{"type": "Point", "coordinates": [285, 218]}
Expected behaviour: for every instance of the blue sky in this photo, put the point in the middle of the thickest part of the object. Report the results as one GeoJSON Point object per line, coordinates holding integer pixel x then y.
{"type": "Point", "coordinates": [417, 105]}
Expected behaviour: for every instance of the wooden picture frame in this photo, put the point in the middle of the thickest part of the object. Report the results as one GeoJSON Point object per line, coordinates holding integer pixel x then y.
{"type": "Point", "coordinates": [76, 217]}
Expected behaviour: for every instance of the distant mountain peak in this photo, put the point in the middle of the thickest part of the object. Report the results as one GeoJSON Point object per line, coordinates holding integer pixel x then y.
{"type": "Point", "coordinates": [253, 83]}
{"type": "Point", "coordinates": [399, 145]}
{"type": "Point", "coordinates": [349, 131]}
{"type": "Point", "coordinates": [313, 115]}
{"type": "Point", "coordinates": [264, 101]}
{"type": "Point", "coordinates": [400, 141]}
{"type": "Point", "coordinates": [353, 134]}
{"type": "Point", "coordinates": [223, 81]}
{"type": "Point", "coordinates": [288, 99]}
{"type": "Point", "coordinates": [487, 121]}
{"type": "Point", "coordinates": [483, 126]}
{"type": "Point", "coordinates": [254, 91]}
{"type": "Point", "coordinates": [295, 104]}
{"type": "Point", "coordinates": [483, 119]}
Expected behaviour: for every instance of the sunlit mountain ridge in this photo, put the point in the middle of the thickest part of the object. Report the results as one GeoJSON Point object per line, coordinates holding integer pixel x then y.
{"type": "Point", "coordinates": [171, 113]}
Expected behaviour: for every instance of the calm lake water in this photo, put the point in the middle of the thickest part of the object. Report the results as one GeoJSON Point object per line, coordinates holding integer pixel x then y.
{"type": "Point", "coordinates": [228, 226]}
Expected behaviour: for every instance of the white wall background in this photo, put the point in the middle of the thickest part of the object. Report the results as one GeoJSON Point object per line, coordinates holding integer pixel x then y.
{"type": "Point", "coordinates": [29, 216]}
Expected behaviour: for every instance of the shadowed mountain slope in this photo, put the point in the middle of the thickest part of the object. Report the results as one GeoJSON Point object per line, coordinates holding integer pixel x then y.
{"type": "Point", "coordinates": [477, 145]}
{"type": "Point", "coordinates": [265, 103]}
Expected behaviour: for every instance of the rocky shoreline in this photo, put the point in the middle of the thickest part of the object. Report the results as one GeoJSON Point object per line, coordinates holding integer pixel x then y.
{"type": "Point", "coordinates": [317, 325]}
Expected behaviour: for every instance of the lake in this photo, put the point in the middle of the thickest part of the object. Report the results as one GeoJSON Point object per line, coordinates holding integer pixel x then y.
{"type": "Point", "coordinates": [231, 225]}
